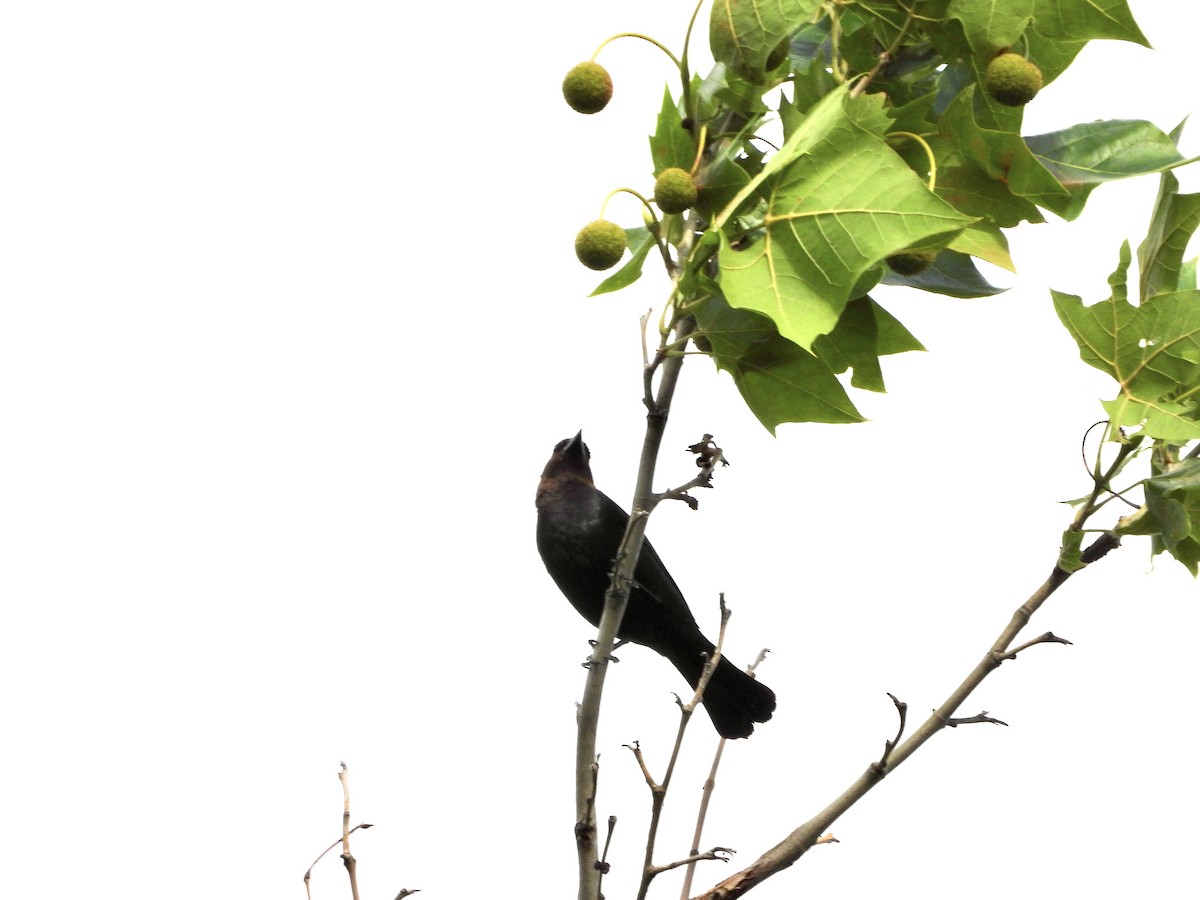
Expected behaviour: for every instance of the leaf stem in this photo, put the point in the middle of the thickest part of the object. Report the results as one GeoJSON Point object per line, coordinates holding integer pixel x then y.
{"type": "Point", "coordinates": [932, 182]}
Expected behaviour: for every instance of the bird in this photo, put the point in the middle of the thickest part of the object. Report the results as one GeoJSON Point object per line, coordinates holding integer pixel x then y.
{"type": "Point", "coordinates": [578, 532]}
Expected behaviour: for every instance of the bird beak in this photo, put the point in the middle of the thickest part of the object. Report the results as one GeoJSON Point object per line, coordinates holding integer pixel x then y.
{"type": "Point", "coordinates": [577, 449]}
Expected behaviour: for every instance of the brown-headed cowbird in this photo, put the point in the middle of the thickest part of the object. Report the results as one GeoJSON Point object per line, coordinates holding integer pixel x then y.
{"type": "Point", "coordinates": [578, 532]}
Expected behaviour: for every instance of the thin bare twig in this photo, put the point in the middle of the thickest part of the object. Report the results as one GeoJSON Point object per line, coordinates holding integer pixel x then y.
{"type": "Point", "coordinates": [321, 855]}
{"type": "Point", "coordinates": [602, 866]}
{"type": "Point", "coordinates": [1048, 638]}
{"type": "Point", "coordinates": [721, 854]}
{"type": "Point", "coordinates": [658, 792]}
{"type": "Point", "coordinates": [706, 793]}
{"type": "Point", "coordinates": [977, 719]}
{"type": "Point", "coordinates": [344, 840]}
{"type": "Point", "coordinates": [347, 857]}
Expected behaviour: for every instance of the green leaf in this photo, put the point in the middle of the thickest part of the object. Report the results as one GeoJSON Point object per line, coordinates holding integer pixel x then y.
{"type": "Point", "coordinates": [892, 337]}
{"type": "Point", "coordinates": [972, 191]}
{"type": "Point", "coordinates": [1160, 256]}
{"type": "Point", "coordinates": [1187, 275]}
{"type": "Point", "coordinates": [1003, 155]}
{"type": "Point", "coordinates": [742, 33]}
{"type": "Point", "coordinates": [1185, 476]}
{"type": "Point", "coordinates": [1187, 552]}
{"type": "Point", "coordinates": [640, 243]}
{"type": "Point", "coordinates": [991, 25]}
{"type": "Point", "coordinates": [1061, 28]}
{"type": "Point", "coordinates": [1087, 155]}
{"type": "Point", "coordinates": [1153, 352]}
{"type": "Point", "coordinates": [671, 144]}
{"type": "Point", "coordinates": [865, 332]}
{"type": "Point", "coordinates": [952, 274]}
{"type": "Point", "coordinates": [730, 332]}
{"type": "Point", "coordinates": [987, 242]}
{"type": "Point", "coordinates": [781, 382]}
{"type": "Point", "coordinates": [839, 202]}
{"type": "Point", "coordinates": [1087, 20]}
{"type": "Point", "coordinates": [778, 381]}
{"type": "Point", "coordinates": [1170, 518]}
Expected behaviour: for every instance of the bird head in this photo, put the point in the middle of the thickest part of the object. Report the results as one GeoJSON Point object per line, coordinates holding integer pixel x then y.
{"type": "Point", "coordinates": [566, 470]}
{"type": "Point", "coordinates": [570, 460]}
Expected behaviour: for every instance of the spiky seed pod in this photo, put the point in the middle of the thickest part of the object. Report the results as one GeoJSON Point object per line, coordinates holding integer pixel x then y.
{"type": "Point", "coordinates": [587, 88]}
{"type": "Point", "coordinates": [674, 191]}
{"type": "Point", "coordinates": [600, 244]}
{"type": "Point", "coordinates": [1011, 79]}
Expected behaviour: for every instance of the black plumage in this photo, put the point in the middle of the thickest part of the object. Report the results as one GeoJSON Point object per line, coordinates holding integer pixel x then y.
{"type": "Point", "coordinates": [578, 532]}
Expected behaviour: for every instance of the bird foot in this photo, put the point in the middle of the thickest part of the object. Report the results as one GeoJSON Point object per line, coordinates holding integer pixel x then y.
{"type": "Point", "coordinates": [591, 660]}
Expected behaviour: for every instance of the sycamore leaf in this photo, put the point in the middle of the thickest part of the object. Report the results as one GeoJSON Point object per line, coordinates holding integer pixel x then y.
{"type": "Point", "coordinates": [1187, 275]}
{"type": "Point", "coordinates": [1087, 20]}
{"type": "Point", "coordinates": [1087, 155]}
{"type": "Point", "coordinates": [727, 334]}
{"type": "Point", "coordinates": [1170, 517]}
{"type": "Point", "coordinates": [865, 332]}
{"type": "Point", "coordinates": [952, 274]}
{"type": "Point", "coordinates": [1152, 351]}
{"type": "Point", "coordinates": [1061, 28]}
{"type": "Point", "coordinates": [743, 33]}
{"type": "Point", "coordinates": [1187, 552]}
{"type": "Point", "coordinates": [1003, 155]}
{"type": "Point", "coordinates": [971, 190]}
{"type": "Point", "coordinates": [990, 25]}
{"type": "Point", "coordinates": [1185, 476]}
{"type": "Point", "coordinates": [1160, 256]}
{"type": "Point", "coordinates": [781, 382]}
{"type": "Point", "coordinates": [987, 242]}
{"type": "Point", "coordinates": [671, 144]}
{"type": "Point", "coordinates": [838, 200]}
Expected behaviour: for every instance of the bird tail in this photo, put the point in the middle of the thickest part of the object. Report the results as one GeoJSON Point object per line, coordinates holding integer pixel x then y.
{"type": "Point", "coordinates": [735, 700]}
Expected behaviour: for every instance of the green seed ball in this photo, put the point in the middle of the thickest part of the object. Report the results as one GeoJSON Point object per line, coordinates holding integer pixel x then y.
{"type": "Point", "coordinates": [1011, 79]}
{"type": "Point", "coordinates": [911, 262]}
{"type": "Point", "coordinates": [674, 191]}
{"type": "Point", "coordinates": [587, 88]}
{"type": "Point", "coordinates": [600, 244]}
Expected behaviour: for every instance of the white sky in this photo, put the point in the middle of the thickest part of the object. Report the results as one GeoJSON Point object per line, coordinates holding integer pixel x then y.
{"type": "Point", "coordinates": [289, 322]}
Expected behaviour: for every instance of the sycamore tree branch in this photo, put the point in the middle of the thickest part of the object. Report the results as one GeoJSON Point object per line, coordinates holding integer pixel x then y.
{"type": "Point", "coordinates": [796, 844]}
{"type": "Point", "coordinates": [666, 366]}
